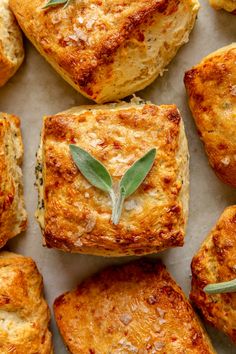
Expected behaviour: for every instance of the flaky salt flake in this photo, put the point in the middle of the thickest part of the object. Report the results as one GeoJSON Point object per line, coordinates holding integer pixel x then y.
{"type": "Point", "coordinates": [233, 90]}
{"type": "Point", "coordinates": [80, 19]}
{"type": "Point", "coordinates": [127, 345]}
{"type": "Point", "coordinates": [159, 345]}
{"type": "Point", "coordinates": [125, 318]}
{"type": "Point", "coordinates": [226, 160]}
{"type": "Point", "coordinates": [131, 204]}
{"type": "Point", "coordinates": [162, 321]}
{"type": "Point", "coordinates": [151, 300]}
{"type": "Point", "coordinates": [78, 243]}
{"type": "Point", "coordinates": [90, 23]}
{"type": "Point", "coordinates": [160, 312]}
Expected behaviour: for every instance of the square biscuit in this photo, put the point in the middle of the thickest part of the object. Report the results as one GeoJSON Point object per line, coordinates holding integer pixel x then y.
{"type": "Point", "coordinates": [24, 314]}
{"type": "Point", "coordinates": [109, 49]}
{"type": "Point", "coordinates": [215, 262]}
{"type": "Point", "coordinates": [13, 217]}
{"type": "Point", "coordinates": [133, 308]}
{"type": "Point", "coordinates": [76, 217]}
{"type": "Point", "coordinates": [211, 87]}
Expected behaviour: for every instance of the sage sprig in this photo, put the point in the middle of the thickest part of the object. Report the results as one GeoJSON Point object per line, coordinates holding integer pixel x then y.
{"type": "Point", "coordinates": [53, 3]}
{"type": "Point", "coordinates": [96, 173]}
{"type": "Point", "coordinates": [221, 288]}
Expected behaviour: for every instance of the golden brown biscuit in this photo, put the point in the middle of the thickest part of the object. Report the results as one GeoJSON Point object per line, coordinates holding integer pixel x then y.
{"type": "Point", "coordinates": [11, 45]}
{"type": "Point", "coordinates": [13, 217]}
{"type": "Point", "coordinates": [211, 86]}
{"type": "Point", "coordinates": [24, 314]}
{"type": "Point", "coordinates": [108, 49]}
{"type": "Point", "coordinates": [75, 216]}
{"type": "Point", "coordinates": [215, 262]}
{"type": "Point", "coordinates": [134, 308]}
{"type": "Point", "coordinates": [228, 5]}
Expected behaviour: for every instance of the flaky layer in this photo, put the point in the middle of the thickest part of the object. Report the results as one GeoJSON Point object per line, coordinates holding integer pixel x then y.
{"type": "Point", "coordinates": [11, 45]}
{"type": "Point", "coordinates": [211, 86]}
{"type": "Point", "coordinates": [214, 263]}
{"type": "Point", "coordinates": [135, 308]}
{"type": "Point", "coordinates": [13, 217]}
{"type": "Point", "coordinates": [108, 49]}
{"type": "Point", "coordinates": [76, 217]}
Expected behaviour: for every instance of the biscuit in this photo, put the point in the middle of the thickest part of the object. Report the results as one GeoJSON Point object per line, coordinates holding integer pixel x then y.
{"type": "Point", "coordinates": [228, 5]}
{"type": "Point", "coordinates": [211, 86]}
{"type": "Point", "coordinates": [11, 45]}
{"type": "Point", "coordinates": [75, 216]}
{"type": "Point", "coordinates": [13, 217]}
{"type": "Point", "coordinates": [24, 314]}
{"type": "Point", "coordinates": [134, 308]}
{"type": "Point", "coordinates": [215, 263]}
{"type": "Point", "coordinates": [109, 49]}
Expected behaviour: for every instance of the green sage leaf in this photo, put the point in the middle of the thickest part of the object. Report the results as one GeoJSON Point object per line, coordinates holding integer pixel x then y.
{"type": "Point", "coordinates": [221, 288]}
{"type": "Point", "coordinates": [93, 170]}
{"type": "Point", "coordinates": [52, 3]}
{"type": "Point", "coordinates": [137, 173]}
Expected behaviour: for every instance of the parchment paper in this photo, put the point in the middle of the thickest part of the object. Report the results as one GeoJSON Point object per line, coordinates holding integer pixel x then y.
{"type": "Point", "coordinates": [37, 90]}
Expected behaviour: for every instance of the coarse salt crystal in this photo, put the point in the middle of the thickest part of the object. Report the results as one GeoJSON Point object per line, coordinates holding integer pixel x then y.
{"type": "Point", "coordinates": [134, 307]}
{"type": "Point", "coordinates": [160, 312]}
{"type": "Point", "coordinates": [81, 35]}
{"type": "Point", "coordinates": [162, 321]}
{"type": "Point", "coordinates": [78, 243]}
{"type": "Point", "coordinates": [159, 345]}
{"type": "Point", "coordinates": [125, 318]}
{"type": "Point", "coordinates": [127, 345]}
{"type": "Point", "coordinates": [131, 204]}
{"type": "Point", "coordinates": [73, 37]}
{"type": "Point", "coordinates": [90, 23]}
{"type": "Point", "coordinates": [226, 160]}
{"type": "Point", "coordinates": [152, 300]}
{"type": "Point", "coordinates": [233, 90]}
{"type": "Point", "coordinates": [96, 142]}
{"type": "Point", "coordinates": [80, 19]}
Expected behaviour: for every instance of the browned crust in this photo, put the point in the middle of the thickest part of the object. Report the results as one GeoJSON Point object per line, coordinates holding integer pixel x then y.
{"type": "Point", "coordinates": [211, 87]}
{"type": "Point", "coordinates": [82, 65]}
{"type": "Point", "coordinates": [24, 312]}
{"type": "Point", "coordinates": [103, 54]}
{"type": "Point", "coordinates": [11, 223]}
{"type": "Point", "coordinates": [68, 213]}
{"type": "Point", "coordinates": [93, 317]}
{"type": "Point", "coordinates": [7, 68]}
{"type": "Point", "coordinates": [215, 262]}
{"type": "Point", "coordinates": [84, 76]}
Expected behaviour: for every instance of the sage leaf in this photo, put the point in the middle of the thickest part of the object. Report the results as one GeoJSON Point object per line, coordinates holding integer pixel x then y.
{"type": "Point", "coordinates": [137, 173]}
{"type": "Point", "coordinates": [221, 288]}
{"type": "Point", "coordinates": [118, 206]}
{"type": "Point", "coordinates": [96, 173]}
{"type": "Point", "coordinates": [93, 170]}
{"type": "Point", "coordinates": [52, 3]}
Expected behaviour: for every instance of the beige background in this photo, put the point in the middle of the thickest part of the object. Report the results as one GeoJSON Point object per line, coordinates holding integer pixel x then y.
{"type": "Point", "coordinates": [37, 90]}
